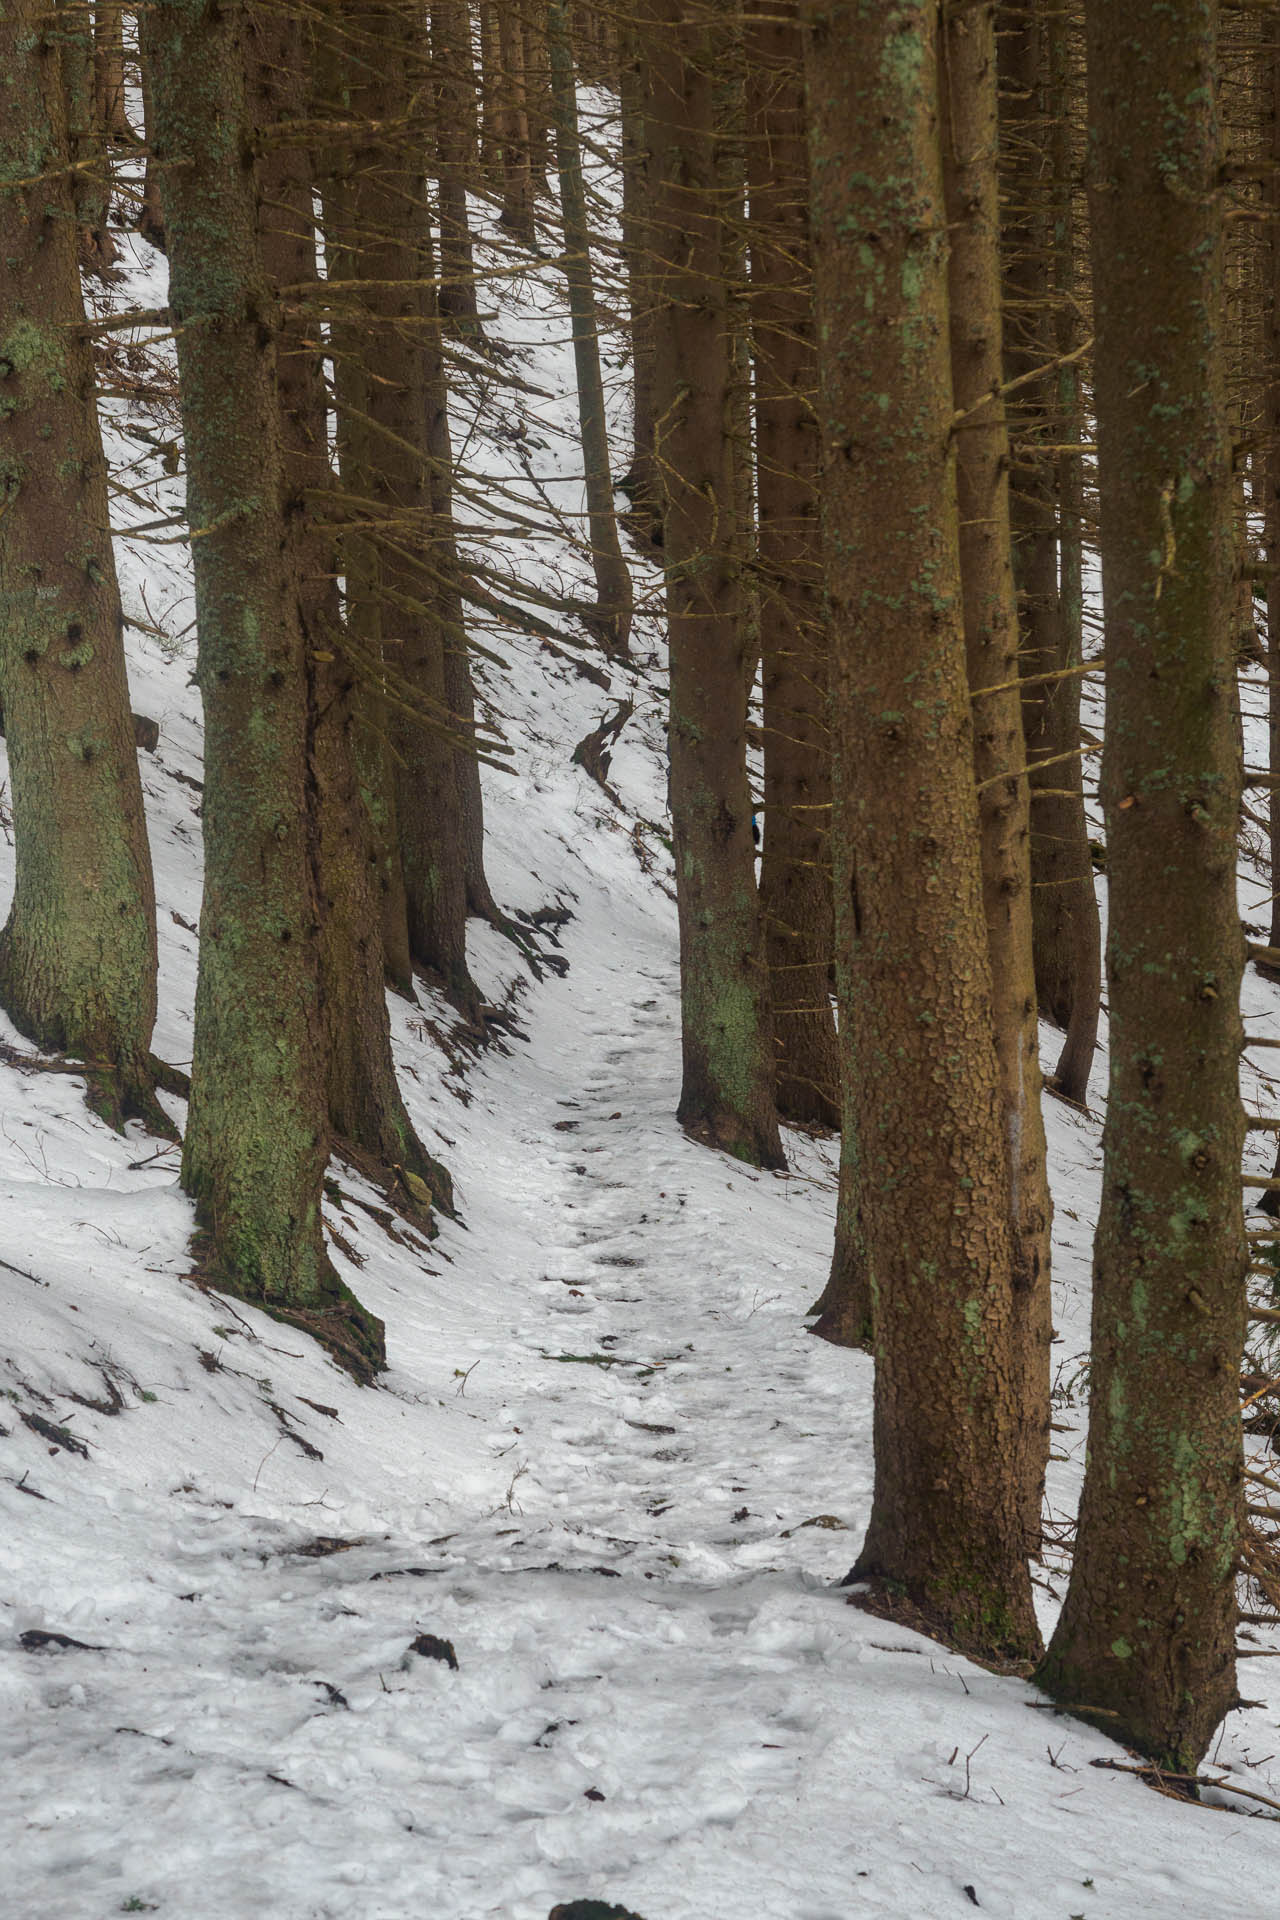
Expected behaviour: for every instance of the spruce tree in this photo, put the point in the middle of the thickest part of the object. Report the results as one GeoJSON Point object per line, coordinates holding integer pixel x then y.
{"type": "Point", "coordinates": [969, 147]}
{"type": "Point", "coordinates": [1146, 1640]}
{"type": "Point", "coordinates": [256, 1143]}
{"type": "Point", "coordinates": [726, 1096]}
{"type": "Point", "coordinates": [945, 1547]}
{"type": "Point", "coordinates": [78, 954]}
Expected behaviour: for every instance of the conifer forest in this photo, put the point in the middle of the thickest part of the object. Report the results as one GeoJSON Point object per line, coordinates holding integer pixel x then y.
{"type": "Point", "coordinates": [640, 968]}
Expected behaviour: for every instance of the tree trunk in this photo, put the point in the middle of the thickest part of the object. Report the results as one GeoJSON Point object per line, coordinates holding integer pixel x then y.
{"type": "Point", "coordinates": [795, 871]}
{"type": "Point", "coordinates": [1271, 515]}
{"type": "Point", "coordinates": [726, 1097]}
{"type": "Point", "coordinates": [642, 482]}
{"type": "Point", "coordinates": [537, 90]}
{"type": "Point", "coordinates": [969, 148]}
{"type": "Point", "coordinates": [389, 336]}
{"type": "Point", "coordinates": [1064, 908]}
{"type": "Point", "coordinates": [513, 125]}
{"type": "Point", "coordinates": [78, 954]}
{"type": "Point", "coordinates": [108, 74]}
{"type": "Point", "coordinates": [612, 619]}
{"type": "Point", "coordinates": [150, 212]}
{"type": "Point", "coordinates": [1146, 1640]}
{"type": "Point", "coordinates": [455, 124]}
{"type": "Point", "coordinates": [365, 1108]}
{"type": "Point", "coordinates": [86, 146]}
{"type": "Point", "coordinates": [845, 1307]}
{"type": "Point", "coordinates": [945, 1547]}
{"type": "Point", "coordinates": [491, 97]}
{"type": "Point", "coordinates": [256, 1143]}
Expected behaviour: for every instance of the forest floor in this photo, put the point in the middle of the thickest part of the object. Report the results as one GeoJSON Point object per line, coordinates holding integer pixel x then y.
{"type": "Point", "coordinates": [607, 1465]}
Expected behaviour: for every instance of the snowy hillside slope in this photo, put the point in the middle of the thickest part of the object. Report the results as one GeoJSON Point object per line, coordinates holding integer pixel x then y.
{"type": "Point", "coordinates": [607, 1463]}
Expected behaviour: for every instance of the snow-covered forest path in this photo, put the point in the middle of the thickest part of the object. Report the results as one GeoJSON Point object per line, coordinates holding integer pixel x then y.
{"type": "Point", "coordinates": [594, 1469]}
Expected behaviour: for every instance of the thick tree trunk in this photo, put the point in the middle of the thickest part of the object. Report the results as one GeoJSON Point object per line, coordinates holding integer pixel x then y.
{"type": "Point", "coordinates": [1064, 908]}
{"type": "Point", "coordinates": [612, 619]}
{"type": "Point", "coordinates": [1145, 1642]}
{"type": "Point", "coordinates": [365, 1108]}
{"type": "Point", "coordinates": [726, 1096]}
{"type": "Point", "coordinates": [78, 954]}
{"type": "Point", "coordinates": [969, 146]}
{"type": "Point", "coordinates": [256, 1143]}
{"type": "Point", "coordinates": [795, 872]}
{"type": "Point", "coordinates": [946, 1543]}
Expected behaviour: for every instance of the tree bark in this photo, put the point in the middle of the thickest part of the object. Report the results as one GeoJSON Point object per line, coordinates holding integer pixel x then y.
{"type": "Point", "coordinates": [726, 1097]}
{"type": "Point", "coordinates": [366, 1111]}
{"type": "Point", "coordinates": [611, 621]}
{"type": "Point", "coordinates": [108, 74]}
{"type": "Point", "coordinates": [86, 144]}
{"type": "Point", "coordinates": [969, 148]}
{"type": "Point", "coordinates": [1064, 908]}
{"type": "Point", "coordinates": [256, 1142]}
{"type": "Point", "coordinates": [1146, 1639]}
{"type": "Point", "coordinates": [150, 212]}
{"type": "Point", "coordinates": [795, 871]}
{"type": "Point", "coordinates": [78, 954]}
{"type": "Point", "coordinates": [513, 125]}
{"type": "Point", "coordinates": [377, 225]}
{"type": "Point", "coordinates": [642, 482]}
{"type": "Point", "coordinates": [456, 161]}
{"type": "Point", "coordinates": [1271, 513]}
{"type": "Point", "coordinates": [945, 1547]}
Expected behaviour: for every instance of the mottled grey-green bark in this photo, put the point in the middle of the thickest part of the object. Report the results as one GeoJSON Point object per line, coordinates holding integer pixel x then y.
{"type": "Point", "coordinates": [256, 1143]}
{"type": "Point", "coordinates": [78, 954]}
{"type": "Point", "coordinates": [945, 1547]}
{"type": "Point", "coordinates": [726, 1096]}
{"type": "Point", "coordinates": [366, 1111]}
{"type": "Point", "coordinates": [1146, 1640]}
{"type": "Point", "coordinates": [795, 869]}
{"type": "Point", "coordinates": [1032, 41]}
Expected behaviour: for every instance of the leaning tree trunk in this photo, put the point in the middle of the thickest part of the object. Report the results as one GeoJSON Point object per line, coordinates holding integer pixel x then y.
{"type": "Point", "coordinates": [1064, 908]}
{"type": "Point", "coordinates": [1146, 1640]}
{"type": "Point", "coordinates": [256, 1142]}
{"type": "Point", "coordinates": [946, 1545]}
{"type": "Point", "coordinates": [795, 871]}
{"type": "Point", "coordinates": [726, 1097]}
{"type": "Point", "coordinates": [366, 1112]}
{"type": "Point", "coordinates": [78, 954]}
{"type": "Point", "coordinates": [611, 621]}
{"type": "Point", "coordinates": [969, 145]}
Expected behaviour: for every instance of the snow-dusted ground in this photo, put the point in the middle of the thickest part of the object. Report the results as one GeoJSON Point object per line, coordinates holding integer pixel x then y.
{"type": "Point", "coordinates": [607, 1464]}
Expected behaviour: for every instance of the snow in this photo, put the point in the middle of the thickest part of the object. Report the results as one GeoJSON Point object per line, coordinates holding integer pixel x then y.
{"type": "Point", "coordinates": [607, 1462]}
